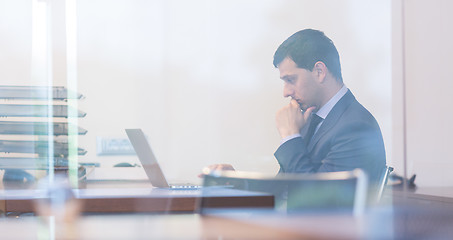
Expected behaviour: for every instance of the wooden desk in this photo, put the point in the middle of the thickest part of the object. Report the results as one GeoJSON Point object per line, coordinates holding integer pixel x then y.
{"type": "Point", "coordinates": [422, 196]}
{"type": "Point", "coordinates": [127, 197]}
{"type": "Point", "coordinates": [386, 223]}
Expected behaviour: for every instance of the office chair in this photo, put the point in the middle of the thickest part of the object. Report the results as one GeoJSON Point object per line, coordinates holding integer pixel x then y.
{"type": "Point", "coordinates": [333, 191]}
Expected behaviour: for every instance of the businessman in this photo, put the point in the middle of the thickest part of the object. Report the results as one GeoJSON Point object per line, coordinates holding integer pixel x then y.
{"type": "Point", "coordinates": [323, 128]}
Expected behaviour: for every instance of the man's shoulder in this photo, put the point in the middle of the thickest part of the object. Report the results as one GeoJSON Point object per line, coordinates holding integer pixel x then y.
{"type": "Point", "coordinates": [353, 108]}
{"type": "Point", "coordinates": [357, 109]}
{"type": "Point", "coordinates": [353, 113]}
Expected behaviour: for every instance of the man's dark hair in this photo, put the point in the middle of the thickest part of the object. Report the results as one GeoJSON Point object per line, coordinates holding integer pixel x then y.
{"type": "Point", "coordinates": [307, 47]}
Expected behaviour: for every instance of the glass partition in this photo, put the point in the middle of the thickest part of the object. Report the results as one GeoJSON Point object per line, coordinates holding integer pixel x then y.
{"type": "Point", "coordinates": [195, 76]}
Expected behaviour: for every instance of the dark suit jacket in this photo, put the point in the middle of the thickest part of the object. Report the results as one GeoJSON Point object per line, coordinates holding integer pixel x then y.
{"type": "Point", "coordinates": [348, 138]}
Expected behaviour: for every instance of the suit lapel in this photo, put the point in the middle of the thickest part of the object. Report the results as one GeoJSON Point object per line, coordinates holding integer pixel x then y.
{"type": "Point", "coordinates": [332, 117]}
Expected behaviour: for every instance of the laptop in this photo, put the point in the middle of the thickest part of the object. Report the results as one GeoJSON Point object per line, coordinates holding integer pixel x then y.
{"type": "Point", "coordinates": [150, 164]}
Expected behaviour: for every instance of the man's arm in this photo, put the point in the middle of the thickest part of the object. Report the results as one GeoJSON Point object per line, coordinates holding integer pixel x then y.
{"type": "Point", "coordinates": [355, 145]}
{"type": "Point", "coordinates": [292, 157]}
{"type": "Point", "coordinates": [290, 119]}
{"type": "Point", "coordinates": [358, 145]}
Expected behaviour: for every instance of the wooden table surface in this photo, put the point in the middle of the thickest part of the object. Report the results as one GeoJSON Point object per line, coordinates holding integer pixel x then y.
{"type": "Point", "coordinates": [442, 196]}
{"type": "Point", "coordinates": [135, 196]}
{"type": "Point", "coordinates": [386, 223]}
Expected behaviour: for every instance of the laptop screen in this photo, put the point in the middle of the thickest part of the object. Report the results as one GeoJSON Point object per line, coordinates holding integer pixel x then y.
{"type": "Point", "coordinates": [147, 158]}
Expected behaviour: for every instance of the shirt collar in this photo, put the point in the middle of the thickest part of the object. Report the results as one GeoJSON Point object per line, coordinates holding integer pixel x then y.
{"type": "Point", "coordinates": [324, 110]}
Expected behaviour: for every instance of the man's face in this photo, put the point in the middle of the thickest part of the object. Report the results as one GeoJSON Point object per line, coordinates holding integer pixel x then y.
{"type": "Point", "coordinates": [300, 84]}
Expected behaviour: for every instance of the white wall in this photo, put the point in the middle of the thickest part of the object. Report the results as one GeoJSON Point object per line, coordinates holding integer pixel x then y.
{"type": "Point", "coordinates": [15, 41]}
{"type": "Point", "coordinates": [197, 76]}
{"type": "Point", "coordinates": [428, 51]}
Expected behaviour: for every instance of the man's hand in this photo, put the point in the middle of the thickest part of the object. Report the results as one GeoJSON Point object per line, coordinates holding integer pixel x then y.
{"type": "Point", "coordinates": [290, 119]}
{"type": "Point", "coordinates": [216, 167]}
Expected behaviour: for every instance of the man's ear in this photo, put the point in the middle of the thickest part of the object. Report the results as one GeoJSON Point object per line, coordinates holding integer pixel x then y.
{"type": "Point", "coordinates": [320, 71]}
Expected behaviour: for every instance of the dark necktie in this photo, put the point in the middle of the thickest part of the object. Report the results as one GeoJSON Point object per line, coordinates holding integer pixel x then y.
{"type": "Point", "coordinates": [315, 120]}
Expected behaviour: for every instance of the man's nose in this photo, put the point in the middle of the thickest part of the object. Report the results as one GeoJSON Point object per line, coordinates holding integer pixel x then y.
{"type": "Point", "coordinates": [287, 91]}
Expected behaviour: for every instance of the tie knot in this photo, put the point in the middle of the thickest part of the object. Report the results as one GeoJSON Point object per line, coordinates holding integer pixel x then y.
{"type": "Point", "coordinates": [315, 119]}
{"type": "Point", "coordinates": [314, 122]}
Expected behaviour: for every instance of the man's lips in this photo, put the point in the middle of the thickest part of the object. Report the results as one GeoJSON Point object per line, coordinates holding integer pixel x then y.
{"type": "Point", "coordinates": [300, 105]}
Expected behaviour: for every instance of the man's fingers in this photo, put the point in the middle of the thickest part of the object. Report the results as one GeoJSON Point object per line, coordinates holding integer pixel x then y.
{"type": "Point", "coordinates": [294, 103]}
{"type": "Point", "coordinates": [216, 167]}
{"type": "Point", "coordinates": [308, 112]}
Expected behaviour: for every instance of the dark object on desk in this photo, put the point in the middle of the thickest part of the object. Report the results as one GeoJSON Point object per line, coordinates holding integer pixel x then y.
{"type": "Point", "coordinates": [17, 179]}
{"type": "Point", "coordinates": [125, 164]}
{"type": "Point", "coordinates": [396, 180]}
{"type": "Point", "coordinates": [17, 175]}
